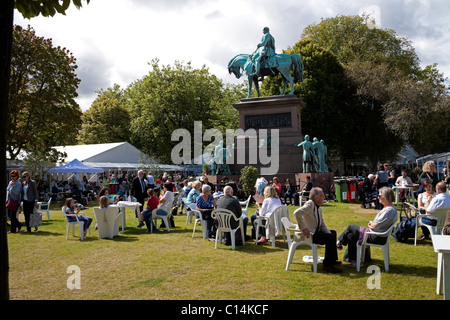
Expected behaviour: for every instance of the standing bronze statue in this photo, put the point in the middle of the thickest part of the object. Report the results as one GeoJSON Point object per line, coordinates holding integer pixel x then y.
{"type": "Point", "coordinates": [266, 62]}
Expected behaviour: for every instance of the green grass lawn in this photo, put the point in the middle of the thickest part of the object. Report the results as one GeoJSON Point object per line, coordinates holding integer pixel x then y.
{"type": "Point", "coordinates": [163, 265]}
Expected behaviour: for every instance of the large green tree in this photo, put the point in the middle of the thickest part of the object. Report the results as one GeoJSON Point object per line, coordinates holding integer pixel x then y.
{"type": "Point", "coordinates": [349, 128]}
{"type": "Point", "coordinates": [173, 97]}
{"type": "Point", "coordinates": [28, 8]}
{"type": "Point", "coordinates": [43, 86]}
{"type": "Point", "coordinates": [107, 120]}
{"type": "Point", "coordinates": [384, 68]}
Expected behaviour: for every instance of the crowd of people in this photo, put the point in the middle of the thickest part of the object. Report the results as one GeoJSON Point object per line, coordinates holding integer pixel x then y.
{"type": "Point", "coordinates": [156, 196]}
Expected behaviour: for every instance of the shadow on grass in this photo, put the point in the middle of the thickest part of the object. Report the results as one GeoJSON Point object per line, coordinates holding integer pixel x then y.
{"type": "Point", "coordinates": [400, 269]}
{"type": "Point", "coordinates": [41, 233]}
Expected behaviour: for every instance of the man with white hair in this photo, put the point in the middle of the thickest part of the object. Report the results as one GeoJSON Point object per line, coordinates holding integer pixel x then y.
{"type": "Point", "coordinates": [310, 223]}
{"type": "Point", "coordinates": [139, 189]}
{"type": "Point", "coordinates": [230, 202]}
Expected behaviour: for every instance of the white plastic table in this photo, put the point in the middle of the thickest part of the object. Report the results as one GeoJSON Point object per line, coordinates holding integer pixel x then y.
{"type": "Point", "coordinates": [441, 245]}
{"type": "Point", "coordinates": [124, 204]}
{"type": "Point", "coordinates": [411, 193]}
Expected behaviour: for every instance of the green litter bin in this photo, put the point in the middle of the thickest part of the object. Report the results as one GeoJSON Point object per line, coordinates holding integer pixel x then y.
{"type": "Point", "coordinates": [340, 186]}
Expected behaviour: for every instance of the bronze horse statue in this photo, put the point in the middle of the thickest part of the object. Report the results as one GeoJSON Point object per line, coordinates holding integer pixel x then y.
{"type": "Point", "coordinates": [283, 63]}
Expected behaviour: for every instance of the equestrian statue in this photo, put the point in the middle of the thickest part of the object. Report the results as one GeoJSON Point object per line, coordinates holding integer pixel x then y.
{"type": "Point", "coordinates": [265, 62]}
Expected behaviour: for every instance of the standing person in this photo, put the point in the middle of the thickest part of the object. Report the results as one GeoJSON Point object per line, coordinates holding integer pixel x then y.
{"type": "Point", "coordinates": [14, 192]}
{"type": "Point", "coordinates": [30, 198]}
{"type": "Point", "coordinates": [138, 189]}
{"type": "Point", "coordinates": [382, 222]}
{"type": "Point", "coordinates": [288, 192]}
{"type": "Point", "coordinates": [151, 180]}
{"type": "Point", "coordinates": [382, 177]}
{"type": "Point", "coordinates": [311, 223]}
{"type": "Point", "coordinates": [429, 172]}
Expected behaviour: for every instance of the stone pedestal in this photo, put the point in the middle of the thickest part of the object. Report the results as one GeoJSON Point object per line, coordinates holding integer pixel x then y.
{"type": "Point", "coordinates": [263, 115]}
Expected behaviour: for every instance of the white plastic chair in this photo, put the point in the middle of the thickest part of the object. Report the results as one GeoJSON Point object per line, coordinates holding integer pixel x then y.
{"type": "Point", "coordinates": [165, 218]}
{"type": "Point", "coordinates": [108, 222]}
{"type": "Point", "coordinates": [45, 207]}
{"type": "Point", "coordinates": [360, 249]}
{"type": "Point", "coordinates": [223, 217]}
{"type": "Point", "coordinates": [439, 215]}
{"type": "Point", "coordinates": [277, 212]}
{"type": "Point", "coordinates": [194, 210]}
{"type": "Point", "coordinates": [246, 203]}
{"type": "Point", "coordinates": [73, 223]}
{"type": "Point", "coordinates": [292, 245]}
{"type": "Point", "coordinates": [303, 197]}
{"type": "Point", "coordinates": [188, 211]}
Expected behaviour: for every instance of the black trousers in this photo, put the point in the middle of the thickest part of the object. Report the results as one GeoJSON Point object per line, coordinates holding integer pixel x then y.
{"type": "Point", "coordinates": [350, 238]}
{"type": "Point", "coordinates": [28, 207]}
{"type": "Point", "coordinates": [15, 223]}
{"type": "Point", "coordinates": [329, 240]}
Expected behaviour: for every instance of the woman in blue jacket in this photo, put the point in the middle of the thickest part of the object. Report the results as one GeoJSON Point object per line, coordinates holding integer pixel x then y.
{"type": "Point", "coordinates": [14, 192]}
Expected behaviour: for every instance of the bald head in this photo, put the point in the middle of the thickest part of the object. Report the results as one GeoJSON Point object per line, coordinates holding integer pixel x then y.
{"type": "Point", "coordinates": [228, 190]}
{"type": "Point", "coordinates": [441, 187]}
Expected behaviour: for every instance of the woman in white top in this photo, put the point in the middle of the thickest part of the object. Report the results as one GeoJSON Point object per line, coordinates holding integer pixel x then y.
{"type": "Point", "coordinates": [423, 200]}
{"type": "Point", "coordinates": [270, 203]}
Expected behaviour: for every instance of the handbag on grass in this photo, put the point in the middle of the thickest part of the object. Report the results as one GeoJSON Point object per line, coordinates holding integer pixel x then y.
{"type": "Point", "coordinates": [35, 218]}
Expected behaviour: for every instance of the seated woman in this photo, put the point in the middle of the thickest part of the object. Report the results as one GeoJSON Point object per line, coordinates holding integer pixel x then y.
{"type": "Point", "coordinates": [152, 203]}
{"type": "Point", "coordinates": [423, 200]}
{"type": "Point", "coordinates": [206, 204]}
{"type": "Point", "coordinates": [104, 202]}
{"type": "Point", "coordinates": [166, 200]}
{"type": "Point", "coordinates": [105, 192]}
{"type": "Point", "coordinates": [194, 192]}
{"type": "Point", "coordinates": [70, 209]}
{"type": "Point", "coordinates": [270, 203]}
{"type": "Point", "coordinates": [382, 222]}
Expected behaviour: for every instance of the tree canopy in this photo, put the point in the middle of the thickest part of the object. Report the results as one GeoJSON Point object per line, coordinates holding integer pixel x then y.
{"type": "Point", "coordinates": [43, 86]}
{"type": "Point", "coordinates": [107, 120]}
{"type": "Point", "coordinates": [174, 97]}
{"type": "Point", "coordinates": [365, 91]}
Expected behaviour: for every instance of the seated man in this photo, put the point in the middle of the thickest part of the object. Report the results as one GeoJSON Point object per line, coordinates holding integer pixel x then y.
{"type": "Point", "coordinates": [440, 201]}
{"type": "Point", "coordinates": [229, 202]}
{"type": "Point", "coordinates": [304, 192]}
{"type": "Point", "coordinates": [404, 181]}
{"type": "Point", "coordinates": [310, 221]}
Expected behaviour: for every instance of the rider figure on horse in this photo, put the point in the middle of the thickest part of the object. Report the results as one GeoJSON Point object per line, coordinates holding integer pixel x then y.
{"type": "Point", "coordinates": [264, 50]}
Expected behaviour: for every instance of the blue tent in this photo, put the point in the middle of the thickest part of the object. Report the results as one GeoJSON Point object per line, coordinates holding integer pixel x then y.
{"type": "Point", "coordinates": [75, 166]}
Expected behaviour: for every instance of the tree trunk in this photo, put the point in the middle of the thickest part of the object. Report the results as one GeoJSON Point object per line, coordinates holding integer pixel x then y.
{"type": "Point", "coordinates": [6, 31]}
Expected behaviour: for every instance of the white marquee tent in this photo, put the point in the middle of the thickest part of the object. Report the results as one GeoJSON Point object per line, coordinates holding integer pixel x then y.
{"type": "Point", "coordinates": [113, 156]}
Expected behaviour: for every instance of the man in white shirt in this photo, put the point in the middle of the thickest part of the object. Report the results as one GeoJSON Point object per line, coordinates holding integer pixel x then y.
{"type": "Point", "coordinates": [441, 201]}
{"type": "Point", "coordinates": [404, 181]}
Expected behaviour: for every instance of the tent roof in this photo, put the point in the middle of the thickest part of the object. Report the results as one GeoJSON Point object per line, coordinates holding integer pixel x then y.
{"type": "Point", "coordinates": [119, 155]}
{"type": "Point", "coordinates": [75, 166]}
{"type": "Point", "coordinates": [104, 152]}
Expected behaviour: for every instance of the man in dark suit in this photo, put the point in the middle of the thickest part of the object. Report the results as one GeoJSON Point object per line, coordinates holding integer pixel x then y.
{"type": "Point", "coordinates": [139, 189]}
{"type": "Point", "coordinates": [229, 202]}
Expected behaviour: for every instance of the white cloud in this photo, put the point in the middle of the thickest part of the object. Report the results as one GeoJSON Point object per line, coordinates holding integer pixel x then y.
{"type": "Point", "coordinates": [114, 40]}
